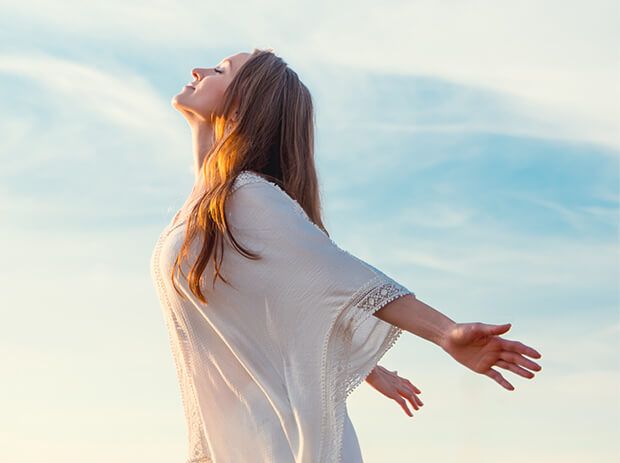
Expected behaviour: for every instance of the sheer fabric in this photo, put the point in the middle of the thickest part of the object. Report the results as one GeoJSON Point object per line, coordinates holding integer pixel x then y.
{"type": "Point", "coordinates": [265, 367]}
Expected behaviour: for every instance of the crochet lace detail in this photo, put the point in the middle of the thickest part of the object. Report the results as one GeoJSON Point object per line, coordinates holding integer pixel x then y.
{"type": "Point", "coordinates": [336, 381]}
{"type": "Point", "coordinates": [371, 301]}
{"type": "Point", "coordinates": [200, 460]}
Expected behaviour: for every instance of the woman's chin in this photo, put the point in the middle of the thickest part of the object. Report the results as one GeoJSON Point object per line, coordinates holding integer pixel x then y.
{"type": "Point", "coordinates": [177, 102]}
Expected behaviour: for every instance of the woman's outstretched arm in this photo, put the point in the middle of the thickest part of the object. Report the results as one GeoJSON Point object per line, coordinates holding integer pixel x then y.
{"type": "Point", "coordinates": [476, 345]}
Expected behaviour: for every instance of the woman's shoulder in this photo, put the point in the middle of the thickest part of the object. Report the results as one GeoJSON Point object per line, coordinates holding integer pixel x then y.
{"type": "Point", "coordinates": [252, 190]}
{"type": "Point", "coordinates": [246, 177]}
{"type": "Point", "coordinates": [253, 197]}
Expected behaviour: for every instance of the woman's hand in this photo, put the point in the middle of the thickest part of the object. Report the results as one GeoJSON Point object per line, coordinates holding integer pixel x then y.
{"type": "Point", "coordinates": [393, 386]}
{"type": "Point", "coordinates": [479, 347]}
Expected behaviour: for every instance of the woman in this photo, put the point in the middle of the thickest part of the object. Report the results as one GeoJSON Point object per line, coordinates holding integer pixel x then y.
{"type": "Point", "coordinates": [270, 340]}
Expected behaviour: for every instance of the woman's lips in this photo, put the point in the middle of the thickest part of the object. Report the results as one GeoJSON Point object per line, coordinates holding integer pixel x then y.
{"type": "Point", "coordinates": [188, 85]}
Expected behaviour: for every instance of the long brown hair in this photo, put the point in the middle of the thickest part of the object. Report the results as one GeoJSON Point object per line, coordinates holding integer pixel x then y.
{"type": "Point", "coordinates": [273, 136]}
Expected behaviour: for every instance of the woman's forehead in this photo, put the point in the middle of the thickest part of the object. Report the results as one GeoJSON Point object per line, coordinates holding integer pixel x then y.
{"type": "Point", "coordinates": [237, 58]}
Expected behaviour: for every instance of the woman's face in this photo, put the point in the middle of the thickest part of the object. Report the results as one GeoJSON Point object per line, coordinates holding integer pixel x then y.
{"type": "Point", "coordinates": [204, 94]}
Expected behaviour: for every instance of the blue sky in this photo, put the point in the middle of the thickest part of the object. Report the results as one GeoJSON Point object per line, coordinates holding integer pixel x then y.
{"type": "Point", "coordinates": [470, 150]}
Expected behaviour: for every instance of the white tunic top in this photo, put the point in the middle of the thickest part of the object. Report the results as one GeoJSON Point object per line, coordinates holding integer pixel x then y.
{"type": "Point", "coordinates": [266, 366]}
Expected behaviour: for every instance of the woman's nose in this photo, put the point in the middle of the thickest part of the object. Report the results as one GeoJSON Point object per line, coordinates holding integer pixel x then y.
{"type": "Point", "coordinates": [197, 73]}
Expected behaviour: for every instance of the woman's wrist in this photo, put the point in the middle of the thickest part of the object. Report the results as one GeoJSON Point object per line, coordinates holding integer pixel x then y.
{"type": "Point", "coordinates": [371, 374]}
{"type": "Point", "coordinates": [412, 315]}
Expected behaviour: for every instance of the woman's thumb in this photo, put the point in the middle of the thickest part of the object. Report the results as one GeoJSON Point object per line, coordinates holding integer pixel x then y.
{"type": "Point", "coordinates": [498, 329]}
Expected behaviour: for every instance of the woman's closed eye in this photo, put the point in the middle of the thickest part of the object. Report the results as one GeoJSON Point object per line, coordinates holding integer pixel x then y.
{"type": "Point", "coordinates": [218, 70]}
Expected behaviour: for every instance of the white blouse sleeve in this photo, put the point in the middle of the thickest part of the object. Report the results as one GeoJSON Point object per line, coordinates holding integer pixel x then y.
{"type": "Point", "coordinates": [302, 264]}
{"type": "Point", "coordinates": [323, 298]}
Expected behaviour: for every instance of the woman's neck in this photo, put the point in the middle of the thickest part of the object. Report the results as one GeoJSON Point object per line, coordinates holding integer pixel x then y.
{"type": "Point", "coordinates": [202, 142]}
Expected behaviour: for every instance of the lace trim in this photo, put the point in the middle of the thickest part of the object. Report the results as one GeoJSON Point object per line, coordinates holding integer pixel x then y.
{"type": "Point", "coordinates": [335, 381]}
{"type": "Point", "coordinates": [200, 460]}
{"type": "Point", "coordinates": [372, 301]}
{"type": "Point", "coordinates": [198, 450]}
{"type": "Point", "coordinates": [248, 176]}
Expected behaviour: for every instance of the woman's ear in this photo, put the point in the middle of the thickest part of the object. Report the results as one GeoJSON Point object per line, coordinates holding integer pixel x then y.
{"type": "Point", "coordinates": [231, 122]}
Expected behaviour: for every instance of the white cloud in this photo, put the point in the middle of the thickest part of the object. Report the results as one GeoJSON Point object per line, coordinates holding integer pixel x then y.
{"type": "Point", "coordinates": [558, 60]}
{"type": "Point", "coordinates": [580, 218]}
{"type": "Point", "coordinates": [467, 258]}
{"type": "Point", "coordinates": [116, 95]}
{"type": "Point", "coordinates": [78, 111]}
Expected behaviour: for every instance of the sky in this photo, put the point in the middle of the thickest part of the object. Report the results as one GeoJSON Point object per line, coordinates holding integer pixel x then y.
{"type": "Point", "coordinates": [469, 149]}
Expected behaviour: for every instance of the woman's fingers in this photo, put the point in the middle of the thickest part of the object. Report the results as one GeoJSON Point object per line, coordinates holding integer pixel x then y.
{"type": "Point", "coordinates": [403, 404]}
{"type": "Point", "coordinates": [515, 369]}
{"type": "Point", "coordinates": [516, 346]}
{"type": "Point", "coordinates": [497, 377]}
{"type": "Point", "coordinates": [404, 388]}
{"type": "Point", "coordinates": [416, 403]}
{"type": "Point", "coordinates": [407, 394]}
{"type": "Point", "coordinates": [415, 389]}
{"type": "Point", "coordinates": [418, 400]}
{"type": "Point", "coordinates": [519, 360]}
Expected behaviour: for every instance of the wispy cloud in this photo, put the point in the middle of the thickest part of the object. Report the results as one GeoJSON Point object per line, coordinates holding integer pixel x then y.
{"type": "Point", "coordinates": [559, 63]}
{"type": "Point", "coordinates": [71, 127]}
{"type": "Point", "coordinates": [116, 95]}
{"type": "Point", "coordinates": [541, 61]}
